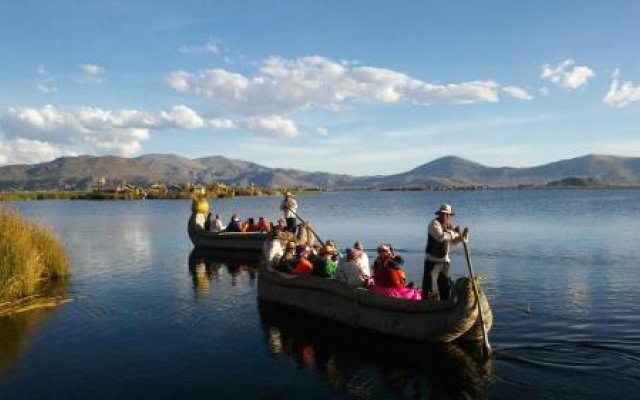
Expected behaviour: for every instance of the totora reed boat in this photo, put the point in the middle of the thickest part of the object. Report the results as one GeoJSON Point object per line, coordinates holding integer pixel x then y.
{"type": "Point", "coordinates": [220, 241]}
{"type": "Point", "coordinates": [235, 241]}
{"type": "Point", "coordinates": [434, 321]}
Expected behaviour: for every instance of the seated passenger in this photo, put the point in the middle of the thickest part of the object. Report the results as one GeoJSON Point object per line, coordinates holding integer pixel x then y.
{"type": "Point", "coordinates": [289, 259]}
{"type": "Point", "coordinates": [304, 265]}
{"type": "Point", "coordinates": [218, 226]}
{"type": "Point", "coordinates": [324, 265]}
{"type": "Point", "coordinates": [361, 258]}
{"type": "Point", "coordinates": [392, 281]}
{"type": "Point", "coordinates": [249, 225]}
{"type": "Point", "coordinates": [263, 225]}
{"type": "Point", "coordinates": [348, 270]}
{"type": "Point", "coordinates": [281, 226]}
{"type": "Point", "coordinates": [234, 224]}
{"type": "Point", "coordinates": [333, 248]}
{"type": "Point", "coordinates": [385, 255]}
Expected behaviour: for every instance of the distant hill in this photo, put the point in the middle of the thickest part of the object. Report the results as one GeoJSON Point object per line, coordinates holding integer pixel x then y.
{"type": "Point", "coordinates": [456, 171]}
{"type": "Point", "coordinates": [445, 171]}
{"type": "Point", "coordinates": [79, 172]}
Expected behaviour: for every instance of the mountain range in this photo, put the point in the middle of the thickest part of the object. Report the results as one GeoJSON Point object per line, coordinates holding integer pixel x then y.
{"type": "Point", "coordinates": [80, 172]}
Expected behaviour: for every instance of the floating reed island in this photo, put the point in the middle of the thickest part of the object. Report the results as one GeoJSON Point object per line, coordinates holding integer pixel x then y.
{"type": "Point", "coordinates": [33, 264]}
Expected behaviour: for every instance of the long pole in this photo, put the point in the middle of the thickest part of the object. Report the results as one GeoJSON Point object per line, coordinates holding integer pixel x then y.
{"type": "Point", "coordinates": [308, 226]}
{"type": "Point", "coordinates": [485, 336]}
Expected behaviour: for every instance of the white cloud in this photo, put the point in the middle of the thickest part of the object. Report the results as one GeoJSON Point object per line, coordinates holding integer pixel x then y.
{"type": "Point", "coordinates": [222, 124]}
{"type": "Point", "coordinates": [621, 95]}
{"type": "Point", "coordinates": [182, 117]}
{"type": "Point", "coordinates": [90, 128]}
{"type": "Point", "coordinates": [24, 151]}
{"type": "Point", "coordinates": [47, 88]}
{"type": "Point", "coordinates": [91, 74]}
{"type": "Point", "coordinates": [544, 91]}
{"type": "Point", "coordinates": [41, 71]}
{"type": "Point", "coordinates": [322, 131]}
{"type": "Point", "coordinates": [517, 93]}
{"type": "Point", "coordinates": [215, 83]}
{"type": "Point", "coordinates": [283, 87]}
{"type": "Point", "coordinates": [120, 131]}
{"type": "Point", "coordinates": [211, 47]}
{"type": "Point", "coordinates": [91, 69]}
{"type": "Point", "coordinates": [273, 125]}
{"type": "Point", "coordinates": [567, 74]}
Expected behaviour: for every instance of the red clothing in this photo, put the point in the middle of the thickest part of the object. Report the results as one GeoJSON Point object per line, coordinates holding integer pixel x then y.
{"type": "Point", "coordinates": [379, 266]}
{"type": "Point", "coordinates": [303, 267]}
{"type": "Point", "coordinates": [391, 278]}
{"type": "Point", "coordinates": [263, 226]}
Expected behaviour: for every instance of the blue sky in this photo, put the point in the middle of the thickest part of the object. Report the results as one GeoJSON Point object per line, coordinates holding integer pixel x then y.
{"type": "Point", "coordinates": [355, 87]}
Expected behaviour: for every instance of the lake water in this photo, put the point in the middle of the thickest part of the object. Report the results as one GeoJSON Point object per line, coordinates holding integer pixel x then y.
{"type": "Point", "coordinates": [148, 321]}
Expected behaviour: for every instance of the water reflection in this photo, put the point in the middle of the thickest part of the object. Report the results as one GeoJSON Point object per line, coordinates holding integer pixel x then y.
{"type": "Point", "coordinates": [17, 329]}
{"type": "Point", "coordinates": [370, 366]}
{"type": "Point", "coordinates": [207, 266]}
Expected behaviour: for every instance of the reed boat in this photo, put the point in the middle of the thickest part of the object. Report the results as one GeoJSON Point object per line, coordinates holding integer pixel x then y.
{"type": "Point", "coordinates": [239, 241]}
{"type": "Point", "coordinates": [227, 241]}
{"type": "Point", "coordinates": [456, 318]}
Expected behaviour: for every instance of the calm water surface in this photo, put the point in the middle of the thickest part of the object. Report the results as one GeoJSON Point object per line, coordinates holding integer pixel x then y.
{"type": "Point", "coordinates": [151, 320]}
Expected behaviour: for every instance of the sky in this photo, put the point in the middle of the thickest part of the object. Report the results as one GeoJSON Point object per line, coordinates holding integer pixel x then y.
{"type": "Point", "coordinates": [352, 87]}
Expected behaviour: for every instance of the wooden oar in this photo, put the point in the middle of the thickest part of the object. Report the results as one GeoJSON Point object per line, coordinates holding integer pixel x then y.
{"type": "Point", "coordinates": [485, 336]}
{"type": "Point", "coordinates": [308, 226]}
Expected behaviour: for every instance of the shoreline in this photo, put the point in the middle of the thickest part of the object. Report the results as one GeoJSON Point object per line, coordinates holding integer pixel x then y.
{"type": "Point", "coordinates": [85, 195]}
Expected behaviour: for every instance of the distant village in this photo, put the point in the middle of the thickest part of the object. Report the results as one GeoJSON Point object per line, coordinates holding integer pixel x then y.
{"type": "Point", "coordinates": [101, 187]}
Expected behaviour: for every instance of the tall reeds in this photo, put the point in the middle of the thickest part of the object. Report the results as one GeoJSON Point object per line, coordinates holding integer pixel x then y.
{"type": "Point", "coordinates": [30, 257]}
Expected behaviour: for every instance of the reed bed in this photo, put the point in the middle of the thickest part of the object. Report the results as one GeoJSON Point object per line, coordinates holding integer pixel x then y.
{"type": "Point", "coordinates": [31, 258]}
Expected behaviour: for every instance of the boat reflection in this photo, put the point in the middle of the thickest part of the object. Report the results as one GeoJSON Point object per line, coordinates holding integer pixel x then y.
{"type": "Point", "coordinates": [371, 366]}
{"type": "Point", "coordinates": [207, 266]}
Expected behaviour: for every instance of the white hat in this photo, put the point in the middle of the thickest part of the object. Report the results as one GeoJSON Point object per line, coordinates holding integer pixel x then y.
{"type": "Point", "coordinates": [289, 194]}
{"type": "Point", "coordinates": [445, 209]}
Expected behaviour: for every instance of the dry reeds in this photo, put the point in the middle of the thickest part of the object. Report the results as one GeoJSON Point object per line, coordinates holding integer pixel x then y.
{"type": "Point", "coordinates": [30, 257]}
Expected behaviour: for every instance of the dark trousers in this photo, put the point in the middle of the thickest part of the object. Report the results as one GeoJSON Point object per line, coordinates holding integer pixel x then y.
{"type": "Point", "coordinates": [438, 271]}
{"type": "Point", "coordinates": [291, 225]}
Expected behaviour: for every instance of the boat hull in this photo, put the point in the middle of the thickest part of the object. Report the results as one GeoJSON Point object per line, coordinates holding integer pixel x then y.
{"type": "Point", "coordinates": [434, 321]}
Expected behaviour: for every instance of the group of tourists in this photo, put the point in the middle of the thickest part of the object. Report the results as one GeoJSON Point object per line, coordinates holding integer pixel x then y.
{"type": "Point", "coordinates": [213, 222]}
{"type": "Point", "coordinates": [317, 260]}
{"type": "Point", "coordinates": [324, 260]}
{"type": "Point", "coordinates": [387, 274]}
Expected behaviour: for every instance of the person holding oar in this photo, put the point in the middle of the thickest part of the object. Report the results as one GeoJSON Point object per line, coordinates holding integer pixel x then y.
{"type": "Point", "coordinates": [289, 206]}
{"type": "Point", "coordinates": [441, 234]}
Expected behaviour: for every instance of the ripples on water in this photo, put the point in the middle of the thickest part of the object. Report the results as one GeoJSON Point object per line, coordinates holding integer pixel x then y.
{"type": "Point", "coordinates": [152, 320]}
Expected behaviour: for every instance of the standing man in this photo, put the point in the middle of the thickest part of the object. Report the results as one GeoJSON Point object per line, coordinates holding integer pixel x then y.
{"type": "Point", "coordinates": [289, 206]}
{"type": "Point", "coordinates": [441, 234]}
